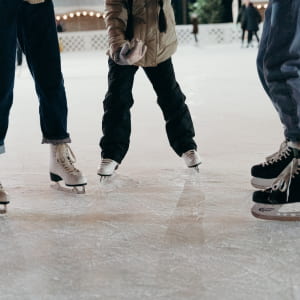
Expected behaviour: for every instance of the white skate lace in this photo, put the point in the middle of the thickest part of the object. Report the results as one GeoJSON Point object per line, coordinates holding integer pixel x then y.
{"type": "Point", "coordinates": [283, 181]}
{"type": "Point", "coordinates": [66, 158]}
{"type": "Point", "coordinates": [283, 152]}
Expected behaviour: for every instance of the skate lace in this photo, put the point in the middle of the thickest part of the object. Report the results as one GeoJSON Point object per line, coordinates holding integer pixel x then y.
{"type": "Point", "coordinates": [66, 158]}
{"type": "Point", "coordinates": [106, 161]}
{"type": "Point", "coordinates": [283, 181]}
{"type": "Point", "coordinates": [190, 154]}
{"type": "Point", "coordinates": [283, 152]}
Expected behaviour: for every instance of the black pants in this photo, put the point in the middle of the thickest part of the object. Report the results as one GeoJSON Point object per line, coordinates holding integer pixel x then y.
{"type": "Point", "coordinates": [116, 122]}
{"type": "Point", "coordinates": [250, 36]}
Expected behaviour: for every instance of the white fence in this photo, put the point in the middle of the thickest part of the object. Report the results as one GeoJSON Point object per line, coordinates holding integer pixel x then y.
{"type": "Point", "coordinates": [97, 40]}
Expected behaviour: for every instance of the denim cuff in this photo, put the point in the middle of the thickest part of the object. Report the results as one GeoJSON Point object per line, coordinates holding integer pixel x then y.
{"type": "Point", "coordinates": [2, 149]}
{"type": "Point", "coordinates": [56, 142]}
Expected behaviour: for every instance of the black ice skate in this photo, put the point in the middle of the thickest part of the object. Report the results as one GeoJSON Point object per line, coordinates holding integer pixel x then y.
{"type": "Point", "coordinates": [3, 200]}
{"type": "Point", "coordinates": [276, 203]}
{"type": "Point", "coordinates": [266, 173]}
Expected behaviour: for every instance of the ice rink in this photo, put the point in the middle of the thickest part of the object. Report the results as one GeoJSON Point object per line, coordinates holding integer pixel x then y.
{"type": "Point", "coordinates": [156, 230]}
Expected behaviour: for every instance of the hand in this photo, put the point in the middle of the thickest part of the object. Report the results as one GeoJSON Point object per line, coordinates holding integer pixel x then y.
{"type": "Point", "coordinates": [131, 53]}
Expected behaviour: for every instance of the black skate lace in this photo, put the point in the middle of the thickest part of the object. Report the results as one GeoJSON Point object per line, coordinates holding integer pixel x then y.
{"type": "Point", "coordinates": [66, 157]}
{"type": "Point", "coordinates": [283, 152]}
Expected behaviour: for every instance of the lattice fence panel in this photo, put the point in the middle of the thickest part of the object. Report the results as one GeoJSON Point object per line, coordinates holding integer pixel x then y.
{"type": "Point", "coordinates": [97, 40]}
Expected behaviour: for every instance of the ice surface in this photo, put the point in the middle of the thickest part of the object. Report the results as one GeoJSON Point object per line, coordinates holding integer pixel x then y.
{"type": "Point", "coordinates": [155, 230]}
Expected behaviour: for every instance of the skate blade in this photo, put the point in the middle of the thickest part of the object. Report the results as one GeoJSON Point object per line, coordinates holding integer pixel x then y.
{"type": "Point", "coordinates": [278, 212]}
{"type": "Point", "coordinates": [72, 189]}
{"type": "Point", "coordinates": [105, 178]}
{"type": "Point", "coordinates": [196, 168]}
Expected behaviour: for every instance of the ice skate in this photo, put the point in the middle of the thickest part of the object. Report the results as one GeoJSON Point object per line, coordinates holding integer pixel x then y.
{"type": "Point", "coordinates": [3, 200]}
{"type": "Point", "coordinates": [192, 159]}
{"type": "Point", "coordinates": [62, 168]}
{"type": "Point", "coordinates": [264, 175]}
{"type": "Point", "coordinates": [107, 168]}
{"type": "Point", "coordinates": [281, 201]}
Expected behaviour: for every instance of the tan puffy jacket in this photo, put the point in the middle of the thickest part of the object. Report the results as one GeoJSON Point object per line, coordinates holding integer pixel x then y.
{"type": "Point", "coordinates": [161, 46]}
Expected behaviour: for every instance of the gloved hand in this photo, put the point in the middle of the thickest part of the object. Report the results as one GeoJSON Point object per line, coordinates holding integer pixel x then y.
{"type": "Point", "coordinates": [130, 53]}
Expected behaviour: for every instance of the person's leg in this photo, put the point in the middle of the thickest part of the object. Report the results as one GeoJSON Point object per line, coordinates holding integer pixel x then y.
{"type": "Point", "coordinates": [250, 35]}
{"type": "Point", "coordinates": [116, 123]}
{"type": "Point", "coordinates": [256, 35]}
{"type": "Point", "coordinates": [263, 47]}
{"type": "Point", "coordinates": [179, 124]}
{"type": "Point", "coordinates": [38, 39]}
{"type": "Point", "coordinates": [243, 35]}
{"type": "Point", "coordinates": [8, 41]}
{"type": "Point", "coordinates": [281, 64]}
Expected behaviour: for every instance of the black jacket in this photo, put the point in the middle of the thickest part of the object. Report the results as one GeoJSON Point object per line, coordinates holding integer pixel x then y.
{"type": "Point", "coordinates": [253, 18]}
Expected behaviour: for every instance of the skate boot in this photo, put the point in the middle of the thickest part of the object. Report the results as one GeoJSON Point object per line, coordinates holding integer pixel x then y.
{"type": "Point", "coordinates": [107, 168]}
{"type": "Point", "coordinates": [62, 167]}
{"type": "Point", "coordinates": [3, 200]}
{"type": "Point", "coordinates": [275, 202]}
{"type": "Point", "coordinates": [192, 159]}
{"type": "Point", "coordinates": [263, 175]}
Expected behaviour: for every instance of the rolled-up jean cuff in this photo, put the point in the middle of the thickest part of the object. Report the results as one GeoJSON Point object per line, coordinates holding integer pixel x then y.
{"type": "Point", "coordinates": [56, 142]}
{"type": "Point", "coordinates": [2, 149]}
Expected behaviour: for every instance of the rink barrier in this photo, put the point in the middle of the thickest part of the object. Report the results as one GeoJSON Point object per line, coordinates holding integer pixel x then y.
{"type": "Point", "coordinates": [97, 40]}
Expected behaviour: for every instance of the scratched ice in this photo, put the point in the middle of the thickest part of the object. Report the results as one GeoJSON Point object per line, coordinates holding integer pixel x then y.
{"type": "Point", "coordinates": [155, 230]}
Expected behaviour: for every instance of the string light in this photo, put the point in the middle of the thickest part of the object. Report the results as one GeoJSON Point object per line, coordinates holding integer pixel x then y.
{"type": "Point", "coordinates": [78, 14]}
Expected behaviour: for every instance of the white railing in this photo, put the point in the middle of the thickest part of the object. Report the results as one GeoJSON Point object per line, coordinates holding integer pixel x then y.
{"type": "Point", "coordinates": [97, 40]}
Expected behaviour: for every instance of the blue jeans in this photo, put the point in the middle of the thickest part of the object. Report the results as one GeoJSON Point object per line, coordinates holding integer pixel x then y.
{"type": "Point", "coordinates": [34, 27]}
{"type": "Point", "coordinates": [278, 62]}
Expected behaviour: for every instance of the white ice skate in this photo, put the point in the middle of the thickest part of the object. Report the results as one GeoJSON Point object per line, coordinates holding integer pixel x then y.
{"type": "Point", "coordinates": [62, 167]}
{"type": "Point", "coordinates": [3, 200]}
{"type": "Point", "coordinates": [107, 168]}
{"type": "Point", "coordinates": [192, 159]}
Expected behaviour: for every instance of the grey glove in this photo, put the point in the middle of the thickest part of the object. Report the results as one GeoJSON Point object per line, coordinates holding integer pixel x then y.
{"type": "Point", "coordinates": [130, 53]}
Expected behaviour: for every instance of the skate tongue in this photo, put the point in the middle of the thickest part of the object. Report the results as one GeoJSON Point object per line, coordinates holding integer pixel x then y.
{"type": "Point", "coordinates": [67, 158]}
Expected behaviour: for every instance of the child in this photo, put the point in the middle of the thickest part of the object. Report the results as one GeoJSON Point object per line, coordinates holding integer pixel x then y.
{"type": "Point", "coordinates": [142, 33]}
{"type": "Point", "coordinates": [32, 23]}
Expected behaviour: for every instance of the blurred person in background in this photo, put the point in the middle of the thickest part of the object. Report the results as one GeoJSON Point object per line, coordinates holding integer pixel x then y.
{"type": "Point", "coordinates": [242, 20]}
{"type": "Point", "coordinates": [195, 24]}
{"type": "Point", "coordinates": [252, 21]}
